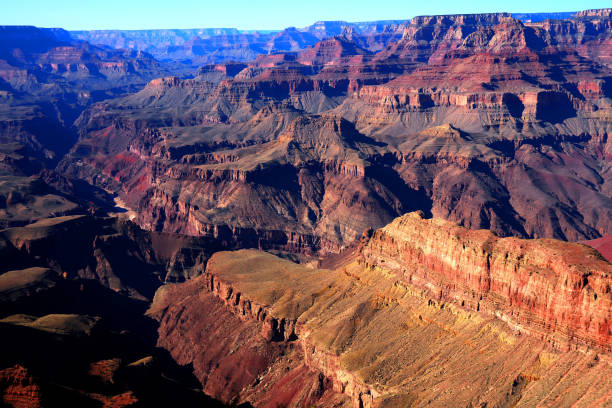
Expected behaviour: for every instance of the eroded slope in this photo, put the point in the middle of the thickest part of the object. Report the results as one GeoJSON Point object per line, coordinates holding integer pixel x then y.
{"type": "Point", "coordinates": [478, 119]}
{"type": "Point", "coordinates": [391, 328]}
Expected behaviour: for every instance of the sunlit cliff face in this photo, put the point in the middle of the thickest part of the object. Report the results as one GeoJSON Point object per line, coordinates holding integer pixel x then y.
{"type": "Point", "coordinates": [418, 296]}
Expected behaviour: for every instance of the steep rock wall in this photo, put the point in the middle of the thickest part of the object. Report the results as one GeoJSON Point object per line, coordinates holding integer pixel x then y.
{"type": "Point", "coordinates": [558, 291]}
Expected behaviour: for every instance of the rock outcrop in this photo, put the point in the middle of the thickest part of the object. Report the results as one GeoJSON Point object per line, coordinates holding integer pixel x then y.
{"type": "Point", "coordinates": [72, 301]}
{"type": "Point", "coordinates": [603, 245]}
{"type": "Point", "coordinates": [195, 47]}
{"type": "Point", "coordinates": [396, 323]}
{"type": "Point", "coordinates": [19, 389]}
{"type": "Point", "coordinates": [32, 57]}
{"type": "Point", "coordinates": [46, 80]}
{"type": "Point", "coordinates": [555, 290]}
{"type": "Point", "coordinates": [112, 251]}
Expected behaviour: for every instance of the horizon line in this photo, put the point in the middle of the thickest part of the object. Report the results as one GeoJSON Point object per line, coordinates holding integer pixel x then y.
{"type": "Point", "coordinates": [245, 30]}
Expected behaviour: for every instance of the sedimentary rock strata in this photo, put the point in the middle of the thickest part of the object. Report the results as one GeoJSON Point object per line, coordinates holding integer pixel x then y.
{"type": "Point", "coordinates": [558, 291]}
{"type": "Point", "coordinates": [112, 251]}
{"type": "Point", "coordinates": [489, 122]}
{"type": "Point", "coordinates": [73, 292]}
{"type": "Point", "coordinates": [494, 129]}
{"type": "Point", "coordinates": [418, 308]}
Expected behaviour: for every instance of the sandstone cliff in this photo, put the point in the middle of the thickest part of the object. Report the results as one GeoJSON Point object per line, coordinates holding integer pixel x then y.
{"type": "Point", "coordinates": [558, 291]}
{"type": "Point", "coordinates": [416, 308]}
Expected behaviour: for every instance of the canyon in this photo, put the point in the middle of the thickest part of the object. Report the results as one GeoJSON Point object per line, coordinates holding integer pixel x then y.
{"type": "Point", "coordinates": [217, 45]}
{"type": "Point", "coordinates": [397, 213]}
{"type": "Point", "coordinates": [488, 122]}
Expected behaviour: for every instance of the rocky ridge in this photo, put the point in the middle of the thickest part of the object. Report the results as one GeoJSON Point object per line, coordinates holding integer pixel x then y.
{"type": "Point", "coordinates": [113, 251]}
{"type": "Point", "coordinates": [195, 47]}
{"type": "Point", "coordinates": [385, 326]}
{"type": "Point", "coordinates": [558, 291]}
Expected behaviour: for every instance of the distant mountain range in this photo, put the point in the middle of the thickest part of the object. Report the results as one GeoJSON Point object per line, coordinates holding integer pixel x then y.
{"type": "Point", "coordinates": [199, 46]}
{"type": "Point", "coordinates": [214, 45]}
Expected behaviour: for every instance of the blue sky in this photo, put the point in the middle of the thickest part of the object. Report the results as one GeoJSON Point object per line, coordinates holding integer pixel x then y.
{"type": "Point", "coordinates": [249, 14]}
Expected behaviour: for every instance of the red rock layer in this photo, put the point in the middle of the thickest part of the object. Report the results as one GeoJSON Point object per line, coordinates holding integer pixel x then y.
{"type": "Point", "coordinates": [603, 245]}
{"type": "Point", "coordinates": [265, 331]}
{"type": "Point", "coordinates": [555, 290]}
{"type": "Point", "coordinates": [18, 388]}
{"type": "Point", "coordinates": [478, 119]}
{"type": "Point", "coordinates": [237, 348]}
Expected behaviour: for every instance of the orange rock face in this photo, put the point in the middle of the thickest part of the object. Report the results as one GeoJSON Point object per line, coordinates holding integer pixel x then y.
{"type": "Point", "coordinates": [555, 290]}
{"type": "Point", "coordinates": [420, 305]}
{"type": "Point", "coordinates": [18, 388]}
{"type": "Point", "coordinates": [236, 348]}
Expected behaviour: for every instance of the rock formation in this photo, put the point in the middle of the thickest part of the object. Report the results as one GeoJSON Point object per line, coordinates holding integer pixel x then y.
{"type": "Point", "coordinates": [72, 301]}
{"type": "Point", "coordinates": [398, 322]}
{"type": "Point", "coordinates": [18, 388]}
{"type": "Point", "coordinates": [112, 251]}
{"type": "Point", "coordinates": [195, 47]}
{"type": "Point", "coordinates": [556, 290]}
{"type": "Point", "coordinates": [479, 119]}
{"type": "Point", "coordinates": [603, 245]}
{"type": "Point", "coordinates": [46, 80]}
